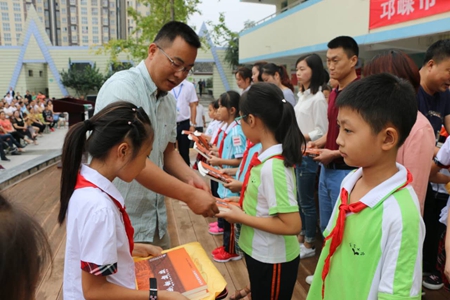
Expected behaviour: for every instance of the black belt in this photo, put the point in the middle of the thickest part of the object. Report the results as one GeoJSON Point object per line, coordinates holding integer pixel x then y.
{"type": "Point", "coordinates": [338, 166]}
{"type": "Point", "coordinates": [182, 122]}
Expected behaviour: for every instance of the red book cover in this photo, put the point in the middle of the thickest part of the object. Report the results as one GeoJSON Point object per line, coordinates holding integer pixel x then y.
{"type": "Point", "coordinates": [174, 271]}
{"type": "Point", "coordinates": [213, 173]}
{"type": "Point", "coordinates": [223, 204]}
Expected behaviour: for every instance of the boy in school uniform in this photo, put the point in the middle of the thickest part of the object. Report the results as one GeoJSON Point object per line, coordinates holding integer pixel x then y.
{"type": "Point", "coordinates": [375, 235]}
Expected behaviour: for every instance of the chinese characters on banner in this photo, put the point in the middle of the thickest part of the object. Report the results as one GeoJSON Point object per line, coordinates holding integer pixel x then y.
{"type": "Point", "coordinates": [388, 12]}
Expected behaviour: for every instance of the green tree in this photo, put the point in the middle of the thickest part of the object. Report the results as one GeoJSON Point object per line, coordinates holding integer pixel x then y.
{"type": "Point", "coordinates": [83, 79]}
{"type": "Point", "coordinates": [161, 12]}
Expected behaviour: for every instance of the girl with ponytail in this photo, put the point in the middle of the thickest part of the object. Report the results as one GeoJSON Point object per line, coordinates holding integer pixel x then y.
{"type": "Point", "coordinates": [278, 75]}
{"type": "Point", "coordinates": [270, 214]}
{"type": "Point", "coordinates": [99, 247]}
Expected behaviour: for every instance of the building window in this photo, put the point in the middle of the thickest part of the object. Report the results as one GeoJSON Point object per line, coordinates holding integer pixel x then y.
{"type": "Point", "coordinates": [83, 2]}
{"type": "Point", "coordinates": [4, 5]}
{"type": "Point", "coordinates": [74, 39]}
{"type": "Point", "coordinates": [7, 37]}
{"type": "Point", "coordinates": [84, 11]}
{"type": "Point", "coordinates": [18, 35]}
{"type": "Point", "coordinates": [95, 11]}
{"type": "Point", "coordinates": [39, 1]}
{"type": "Point", "coordinates": [39, 9]}
{"type": "Point", "coordinates": [105, 39]}
{"type": "Point", "coordinates": [73, 20]}
{"type": "Point", "coordinates": [95, 30]}
{"type": "Point", "coordinates": [113, 22]}
{"type": "Point", "coordinates": [111, 4]}
{"type": "Point", "coordinates": [18, 17]}
{"type": "Point", "coordinates": [41, 73]}
{"type": "Point", "coordinates": [73, 10]}
{"type": "Point", "coordinates": [63, 10]}
{"type": "Point", "coordinates": [16, 6]}
{"type": "Point", "coordinates": [73, 2]}
{"type": "Point", "coordinates": [94, 3]}
{"type": "Point", "coordinates": [18, 27]}
{"type": "Point", "coordinates": [113, 31]}
{"type": "Point", "coordinates": [73, 28]}
{"type": "Point", "coordinates": [105, 30]}
{"type": "Point", "coordinates": [84, 29]}
{"type": "Point", "coordinates": [105, 21]}
{"type": "Point", "coordinates": [105, 3]}
{"type": "Point", "coordinates": [6, 27]}
{"type": "Point", "coordinates": [84, 20]}
{"type": "Point", "coordinates": [95, 21]}
{"type": "Point", "coordinates": [95, 39]}
{"type": "Point", "coordinates": [105, 11]}
{"type": "Point", "coordinates": [30, 73]}
{"type": "Point", "coordinates": [65, 39]}
{"type": "Point", "coordinates": [64, 20]}
{"type": "Point", "coordinates": [5, 17]}
{"type": "Point", "coordinates": [85, 39]}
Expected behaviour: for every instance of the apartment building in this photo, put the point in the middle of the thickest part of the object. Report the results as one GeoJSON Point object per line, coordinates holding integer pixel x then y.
{"type": "Point", "coordinates": [70, 22]}
{"type": "Point", "coordinates": [304, 26]}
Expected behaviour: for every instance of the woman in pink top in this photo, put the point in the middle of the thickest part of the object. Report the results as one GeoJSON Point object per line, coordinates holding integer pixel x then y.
{"type": "Point", "coordinates": [416, 153]}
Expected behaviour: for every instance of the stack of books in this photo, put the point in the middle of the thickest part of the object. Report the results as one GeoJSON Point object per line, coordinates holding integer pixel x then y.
{"type": "Point", "coordinates": [174, 271]}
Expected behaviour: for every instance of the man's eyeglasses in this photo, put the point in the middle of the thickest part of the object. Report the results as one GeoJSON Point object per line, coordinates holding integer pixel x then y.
{"type": "Point", "coordinates": [176, 66]}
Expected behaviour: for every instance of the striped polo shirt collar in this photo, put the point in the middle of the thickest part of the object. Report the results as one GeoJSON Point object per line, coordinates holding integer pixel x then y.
{"type": "Point", "coordinates": [271, 151]}
{"type": "Point", "coordinates": [101, 182]}
{"type": "Point", "coordinates": [151, 87]}
{"type": "Point", "coordinates": [378, 194]}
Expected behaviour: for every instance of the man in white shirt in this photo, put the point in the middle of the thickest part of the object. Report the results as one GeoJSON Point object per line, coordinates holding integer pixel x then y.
{"type": "Point", "coordinates": [187, 100]}
{"type": "Point", "coordinates": [9, 109]}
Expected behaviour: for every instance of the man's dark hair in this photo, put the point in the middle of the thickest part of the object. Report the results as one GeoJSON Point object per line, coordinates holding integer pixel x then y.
{"type": "Point", "coordinates": [382, 100]}
{"type": "Point", "coordinates": [439, 51]}
{"type": "Point", "coordinates": [169, 32]}
{"type": "Point", "coordinates": [345, 42]}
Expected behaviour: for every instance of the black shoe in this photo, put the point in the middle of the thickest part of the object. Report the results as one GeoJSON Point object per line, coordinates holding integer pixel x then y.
{"type": "Point", "coordinates": [6, 159]}
{"type": "Point", "coordinates": [432, 282]}
{"type": "Point", "coordinates": [15, 153]}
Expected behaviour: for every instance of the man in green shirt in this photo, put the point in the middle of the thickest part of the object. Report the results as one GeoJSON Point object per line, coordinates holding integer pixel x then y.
{"type": "Point", "coordinates": [170, 58]}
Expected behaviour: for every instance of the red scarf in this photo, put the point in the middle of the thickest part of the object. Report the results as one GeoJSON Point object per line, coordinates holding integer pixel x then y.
{"type": "Point", "coordinates": [244, 158]}
{"type": "Point", "coordinates": [222, 142]}
{"type": "Point", "coordinates": [253, 163]}
{"type": "Point", "coordinates": [83, 183]}
{"type": "Point", "coordinates": [216, 139]}
{"type": "Point", "coordinates": [337, 233]}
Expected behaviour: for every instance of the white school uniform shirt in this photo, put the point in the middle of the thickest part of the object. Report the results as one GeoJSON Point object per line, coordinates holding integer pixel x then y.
{"type": "Point", "coordinates": [311, 114]}
{"type": "Point", "coordinates": [213, 128]}
{"type": "Point", "coordinates": [96, 235]}
{"type": "Point", "coordinates": [185, 94]}
{"type": "Point", "coordinates": [443, 157]}
{"type": "Point", "coordinates": [199, 115]}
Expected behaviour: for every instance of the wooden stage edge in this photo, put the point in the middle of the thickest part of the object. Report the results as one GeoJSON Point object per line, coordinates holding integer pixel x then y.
{"type": "Point", "coordinates": [39, 196]}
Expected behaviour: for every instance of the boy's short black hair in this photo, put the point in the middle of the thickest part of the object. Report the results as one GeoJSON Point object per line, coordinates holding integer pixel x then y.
{"type": "Point", "coordinates": [347, 43]}
{"type": "Point", "coordinates": [382, 100]}
{"type": "Point", "coordinates": [438, 52]}
{"type": "Point", "coordinates": [171, 30]}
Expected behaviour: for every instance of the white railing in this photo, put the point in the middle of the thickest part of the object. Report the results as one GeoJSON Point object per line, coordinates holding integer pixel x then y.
{"type": "Point", "coordinates": [280, 12]}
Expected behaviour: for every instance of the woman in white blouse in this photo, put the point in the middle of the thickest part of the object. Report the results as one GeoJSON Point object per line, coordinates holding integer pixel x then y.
{"type": "Point", "coordinates": [311, 114]}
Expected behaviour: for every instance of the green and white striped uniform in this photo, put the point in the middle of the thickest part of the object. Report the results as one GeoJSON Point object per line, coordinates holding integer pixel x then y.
{"type": "Point", "coordinates": [271, 190]}
{"type": "Point", "coordinates": [380, 256]}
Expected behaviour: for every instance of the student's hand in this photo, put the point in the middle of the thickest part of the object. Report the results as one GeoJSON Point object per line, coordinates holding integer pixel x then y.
{"type": "Point", "coordinates": [214, 161]}
{"type": "Point", "coordinates": [312, 145]}
{"type": "Point", "coordinates": [326, 156]}
{"type": "Point", "coordinates": [233, 199]}
{"type": "Point", "coordinates": [230, 171]}
{"type": "Point", "coordinates": [234, 215]}
{"type": "Point", "coordinates": [202, 203]}
{"type": "Point", "coordinates": [144, 250]}
{"type": "Point", "coordinates": [234, 185]}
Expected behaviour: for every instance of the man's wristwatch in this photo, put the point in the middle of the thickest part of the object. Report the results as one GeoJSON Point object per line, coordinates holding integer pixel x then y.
{"type": "Point", "coordinates": [153, 289]}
